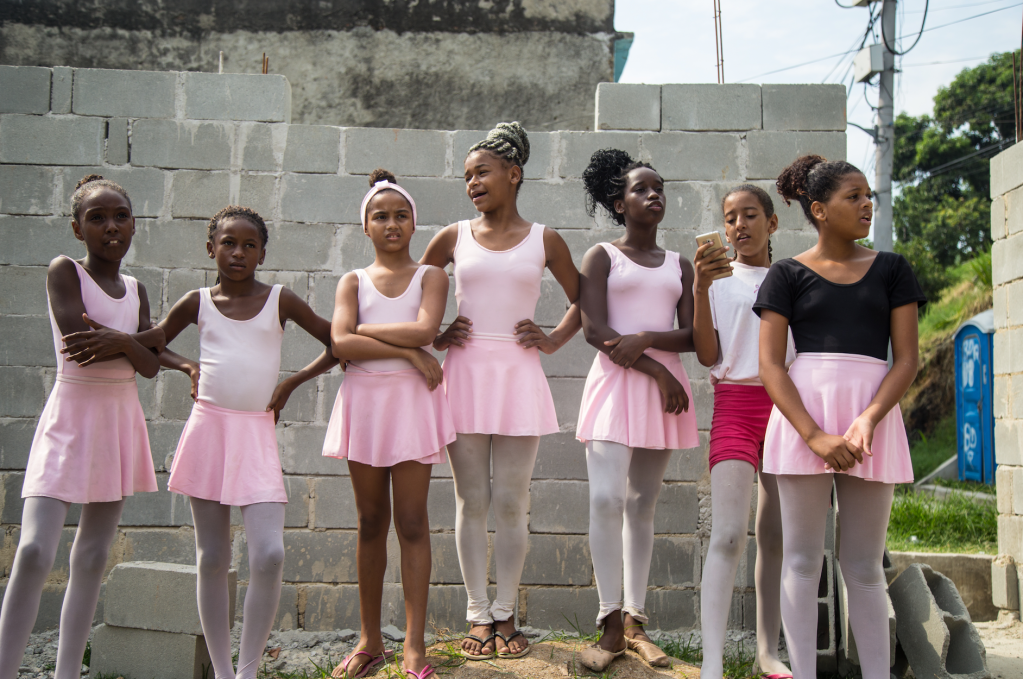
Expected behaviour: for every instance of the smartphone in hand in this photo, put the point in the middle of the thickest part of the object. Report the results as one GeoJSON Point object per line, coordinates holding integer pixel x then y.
{"type": "Point", "coordinates": [714, 237]}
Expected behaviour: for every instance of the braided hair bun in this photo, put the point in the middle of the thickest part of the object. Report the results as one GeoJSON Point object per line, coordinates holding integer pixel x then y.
{"type": "Point", "coordinates": [382, 175]}
{"type": "Point", "coordinates": [604, 181]}
{"type": "Point", "coordinates": [89, 183]}
{"type": "Point", "coordinates": [812, 179]}
{"type": "Point", "coordinates": [507, 141]}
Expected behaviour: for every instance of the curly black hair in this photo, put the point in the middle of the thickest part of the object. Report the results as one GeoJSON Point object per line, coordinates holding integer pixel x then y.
{"type": "Point", "coordinates": [87, 185]}
{"type": "Point", "coordinates": [238, 211]}
{"type": "Point", "coordinates": [812, 179]}
{"type": "Point", "coordinates": [604, 180]}
{"type": "Point", "coordinates": [765, 202]}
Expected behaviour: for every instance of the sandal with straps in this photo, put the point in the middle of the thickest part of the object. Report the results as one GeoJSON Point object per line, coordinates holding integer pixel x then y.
{"type": "Point", "coordinates": [509, 655]}
{"type": "Point", "coordinates": [422, 674]}
{"type": "Point", "coordinates": [483, 643]}
{"type": "Point", "coordinates": [341, 671]}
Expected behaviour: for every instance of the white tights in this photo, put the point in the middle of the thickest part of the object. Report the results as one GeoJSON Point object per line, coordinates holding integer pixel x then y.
{"type": "Point", "coordinates": [264, 534]}
{"type": "Point", "coordinates": [42, 521]}
{"type": "Point", "coordinates": [513, 458]}
{"type": "Point", "coordinates": [624, 485]}
{"type": "Point", "coordinates": [731, 483]}
{"type": "Point", "coordinates": [865, 508]}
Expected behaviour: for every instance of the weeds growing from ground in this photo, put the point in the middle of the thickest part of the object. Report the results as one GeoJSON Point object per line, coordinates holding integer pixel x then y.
{"type": "Point", "coordinates": [956, 523]}
{"type": "Point", "coordinates": [739, 663]}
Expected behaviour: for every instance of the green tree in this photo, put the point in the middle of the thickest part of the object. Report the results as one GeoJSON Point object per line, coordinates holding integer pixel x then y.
{"type": "Point", "coordinates": [942, 213]}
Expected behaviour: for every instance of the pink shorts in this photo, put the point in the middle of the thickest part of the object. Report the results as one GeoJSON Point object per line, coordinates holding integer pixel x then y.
{"type": "Point", "coordinates": [741, 412]}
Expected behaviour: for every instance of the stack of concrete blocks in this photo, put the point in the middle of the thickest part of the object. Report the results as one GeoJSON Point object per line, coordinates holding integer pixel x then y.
{"type": "Point", "coordinates": [934, 628]}
{"type": "Point", "coordinates": [185, 145]}
{"type": "Point", "coordinates": [1007, 278]}
{"type": "Point", "coordinates": [151, 623]}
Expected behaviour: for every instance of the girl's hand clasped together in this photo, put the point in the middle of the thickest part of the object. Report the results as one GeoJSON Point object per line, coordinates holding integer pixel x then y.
{"type": "Point", "coordinates": [227, 455]}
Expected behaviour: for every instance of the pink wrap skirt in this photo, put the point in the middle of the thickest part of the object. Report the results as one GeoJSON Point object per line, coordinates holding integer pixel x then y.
{"type": "Point", "coordinates": [836, 389]}
{"type": "Point", "coordinates": [228, 456]}
{"type": "Point", "coordinates": [494, 386]}
{"type": "Point", "coordinates": [384, 418]}
{"type": "Point", "coordinates": [91, 443]}
{"type": "Point", "coordinates": [625, 406]}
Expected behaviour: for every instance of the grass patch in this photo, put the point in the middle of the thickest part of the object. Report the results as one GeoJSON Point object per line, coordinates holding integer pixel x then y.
{"type": "Point", "coordinates": [928, 452]}
{"type": "Point", "coordinates": [969, 486]}
{"type": "Point", "coordinates": [739, 663]}
{"type": "Point", "coordinates": [955, 524]}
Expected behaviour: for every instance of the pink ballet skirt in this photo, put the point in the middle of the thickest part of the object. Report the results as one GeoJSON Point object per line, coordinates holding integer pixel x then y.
{"type": "Point", "coordinates": [836, 389]}
{"type": "Point", "coordinates": [384, 418]}
{"type": "Point", "coordinates": [91, 443]}
{"type": "Point", "coordinates": [625, 406]}
{"type": "Point", "coordinates": [494, 386]}
{"type": "Point", "coordinates": [228, 456]}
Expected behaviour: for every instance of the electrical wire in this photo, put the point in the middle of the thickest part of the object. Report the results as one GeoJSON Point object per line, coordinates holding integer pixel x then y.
{"type": "Point", "coordinates": [975, 16]}
{"type": "Point", "coordinates": [923, 22]}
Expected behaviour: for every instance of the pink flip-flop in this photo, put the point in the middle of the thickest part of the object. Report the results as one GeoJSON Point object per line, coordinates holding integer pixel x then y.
{"type": "Point", "coordinates": [423, 673]}
{"type": "Point", "coordinates": [778, 675]}
{"type": "Point", "coordinates": [374, 660]}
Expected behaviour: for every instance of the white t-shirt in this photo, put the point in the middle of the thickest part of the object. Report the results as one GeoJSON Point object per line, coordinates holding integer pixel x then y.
{"type": "Point", "coordinates": [731, 307]}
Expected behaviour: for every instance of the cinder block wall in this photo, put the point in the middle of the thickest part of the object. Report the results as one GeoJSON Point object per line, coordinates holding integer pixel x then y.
{"type": "Point", "coordinates": [196, 142]}
{"type": "Point", "coordinates": [1007, 277]}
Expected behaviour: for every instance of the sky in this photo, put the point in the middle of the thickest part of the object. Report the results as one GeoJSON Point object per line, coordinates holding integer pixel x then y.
{"type": "Point", "coordinates": [674, 43]}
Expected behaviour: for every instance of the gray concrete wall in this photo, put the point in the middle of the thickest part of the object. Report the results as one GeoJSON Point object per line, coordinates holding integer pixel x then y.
{"type": "Point", "coordinates": [1007, 278]}
{"type": "Point", "coordinates": [446, 64]}
{"type": "Point", "coordinates": [184, 150]}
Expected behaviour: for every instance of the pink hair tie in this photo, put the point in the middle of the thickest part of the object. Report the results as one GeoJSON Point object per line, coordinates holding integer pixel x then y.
{"type": "Point", "coordinates": [384, 185]}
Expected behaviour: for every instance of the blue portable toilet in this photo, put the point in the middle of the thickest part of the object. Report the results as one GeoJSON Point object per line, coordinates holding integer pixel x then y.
{"type": "Point", "coordinates": [975, 421]}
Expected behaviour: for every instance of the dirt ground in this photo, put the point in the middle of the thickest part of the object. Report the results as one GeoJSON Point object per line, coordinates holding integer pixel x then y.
{"type": "Point", "coordinates": [1003, 640]}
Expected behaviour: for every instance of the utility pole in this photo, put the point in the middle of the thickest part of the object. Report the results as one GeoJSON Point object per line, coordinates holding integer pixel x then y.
{"type": "Point", "coordinates": [885, 152]}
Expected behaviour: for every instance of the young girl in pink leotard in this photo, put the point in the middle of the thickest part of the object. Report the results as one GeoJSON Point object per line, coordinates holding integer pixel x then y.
{"type": "Point", "coordinates": [500, 401]}
{"type": "Point", "coordinates": [636, 407]}
{"type": "Point", "coordinates": [383, 317]}
{"type": "Point", "coordinates": [227, 455]}
{"type": "Point", "coordinates": [726, 333]}
{"type": "Point", "coordinates": [90, 445]}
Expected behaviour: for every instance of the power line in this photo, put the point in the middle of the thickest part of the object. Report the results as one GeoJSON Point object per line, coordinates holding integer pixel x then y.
{"type": "Point", "coordinates": [975, 16]}
{"type": "Point", "coordinates": [923, 22]}
{"type": "Point", "coordinates": [945, 9]}
{"type": "Point", "coordinates": [951, 61]}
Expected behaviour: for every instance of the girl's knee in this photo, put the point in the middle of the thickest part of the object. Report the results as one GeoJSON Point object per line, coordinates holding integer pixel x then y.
{"type": "Point", "coordinates": [268, 558]}
{"type": "Point", "coordinates": [728, 541]}
{"type": "Point", "coordinates": [213, 562]}
{"type": "Point", "coordinates": [36, 556]}
{"type": "Point", "coordinates": [88, 558]}
{"type": "Point", "coordinates": [606, 505]}
{"type": "Point", "coordinates": [473, 504]}
{"type": "Point", "coordinates": [412, 527]}
{"type": "Point", "coordinates": [510, 509]}
{"type": "Point", "coordinates": [374, 525]}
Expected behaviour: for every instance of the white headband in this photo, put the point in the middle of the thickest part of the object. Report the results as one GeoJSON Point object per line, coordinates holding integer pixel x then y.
{"type": "Point", "coordinates": [384, 185]}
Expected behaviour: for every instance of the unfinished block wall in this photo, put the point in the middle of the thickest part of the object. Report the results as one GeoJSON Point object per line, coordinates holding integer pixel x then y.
{"type": "Point", "coordinates": [186, 144]}
{"type": "Point", "coordinates": [1007, 279]}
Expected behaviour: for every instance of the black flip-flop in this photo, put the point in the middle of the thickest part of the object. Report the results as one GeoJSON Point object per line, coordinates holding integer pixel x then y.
{"type": "Point", "coordinates": [482, 643]}
{"type": "Point", "coordinates": [510, 655]}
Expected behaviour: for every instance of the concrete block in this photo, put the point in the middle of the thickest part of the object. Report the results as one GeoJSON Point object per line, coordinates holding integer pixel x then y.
{"type": "Point", "coordinates": [44, 140]}
{"type": "Point", "coordinates": [26, 89]}
{"type": "Point", "coordinates": [676, 562]}
{"type": "Point", "coordinates": [168, 546]}
{"type": "Point", "coordinates": [1013, 202]}
{"type": "Point", "coordinates": [771, 152]}
{"type": "Point", "coordinates": [301, 446]}
{"type": "Point", "coordinates": [296, 512]}
{"type": "Point", "coordinates": [623, 106]}
{"type": "Point", "coordinates": [1004, 583]}
{"type": "Point", "coordinates": [1006, 171]}
{"type": "Point", "coordinates": [678, 509]}
{"type": "Point", "coordinates": [157, 596]}
{"type": "Point", "coordinates": [710, 107]}
{"type": "Point", "coordinates": [578, 147]}
{"type": "Point", "coordinates": [129, 94]}
{"type": "Point", "coordinates": [199, 195]}
{"type": "Point", "coordinates": [117, 141]}
{"type": "Point", "coordinates": [1010, 536]}
{"type": "Point", "coordinates": [315, 252]}
{"type": "Point", "coordinates": [23, 391]}
{"type": "Point", "coordinates": [170, 244]}
{"type": "Point", "coordinates": [685, 207]}
{"type": "Point", "coordinates": [791, 243]}
{"type": "Point", "coordinates": [444, 568]}
{"type": "Point", "coordinates": [1003, 486]}
{"type": "Point", "coordinates": [181, 144]}
{"type": "Point", "coordinates": [804, 107]}
{"type": "Point", "coordinates": [237, 96]}
{"type": "Point", "coordinates": [999, 304]}
{"type": "Point", "coordinates": [562, 457]}
{"type": "Point", "coordinates": [551, 308]}
{"type": "Point", "coordinates": [335, 503]}
{"type": "Point", "coordinates": [23, 341]}
{"type": "Point", "coordinates": [151, 509]}
{"type": "Point", "coordinates": [559, 608]}
{"type": "Point", "coordinates": [559, 507]}
{"type": "Point", "coordinates": [567, 393]}
{"type": "Point", "coordinates": [15, 442]}
{"type": "Point", "coordinates": [322, 198]}
{"type": "Point", "coordinates": [998, 229]}
{"type": "Point", "coordinates": [60, 89]}
{"type": "Point", "coordinates": [23, 290]}
{"type": "Point", "coordinates": [26, 190]}
{"type": "Point", "coordinates": [255, 145]}
{"type": "Point", "coordinates": [316, 557]}
{"type": "Point", "coordinates": [1008, 441]}
{"type": "Point", "coordinates": [542, 146]}
{"type": "Point", "coordinates": [1017, 490]}
{"type": "Point", "coordinates": [287, 609]}
{"type": "Point", "coordinates": [10, 511]}
{"type": "Point", "coordinates": [440, 201]}
{"type": "Point", "coordinates": [415, 153]}
{"type": "Point", "coordinates": [441, 503]}
{"type": "Point", "coordinates": [690, 155]}
{"type": "Point", "coordinates": [576, 357]}
{"type": "Point", "coordinates": [1006, 261]}
{"type": "Point", "coordinates": [313, 148]}
{"type": "Point", "coordinates": [555, 560]}
{"type": "Point", "coordinates": [115, 652]}
{"type": "Point", "coordinates": [673, 609]}
{"type": "Point", "coordinates": [335, 607]}
{"type": "Point", "coordinates": [145, 187]}
{"type": "Point", "coordinates": [50, 604]}
{"type": "Point", "coordinates": [689, 465]}
{"type": "Point", "coordinates": [1014, 302]}
{"type": "Point", "coordinates": [934, 627]}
